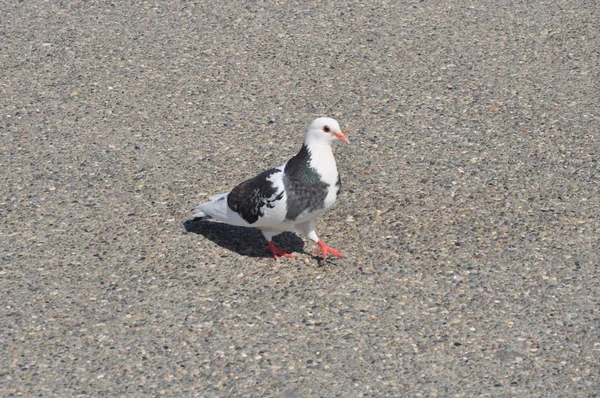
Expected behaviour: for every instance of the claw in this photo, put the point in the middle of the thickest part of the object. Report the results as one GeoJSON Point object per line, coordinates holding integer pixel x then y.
{"type": "Point", "coordinates": [324, 249]}
{"type": "Point", "coordinates": [276, 252]}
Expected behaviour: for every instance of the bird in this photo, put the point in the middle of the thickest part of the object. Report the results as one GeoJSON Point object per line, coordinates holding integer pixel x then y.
{"type": "Point", "coordinates": [289, 197]}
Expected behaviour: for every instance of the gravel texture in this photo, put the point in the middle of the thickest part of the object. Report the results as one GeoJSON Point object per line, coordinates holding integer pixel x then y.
{"type": "Point", "coordinates": [470, 212]}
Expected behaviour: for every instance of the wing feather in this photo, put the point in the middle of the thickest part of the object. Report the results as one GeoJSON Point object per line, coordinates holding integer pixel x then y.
{"type": "Point", "coordinates": [252, 198]}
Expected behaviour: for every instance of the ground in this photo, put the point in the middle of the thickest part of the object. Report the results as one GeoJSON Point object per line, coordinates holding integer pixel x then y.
{"type": "Point", "coordinates": [469, 214]}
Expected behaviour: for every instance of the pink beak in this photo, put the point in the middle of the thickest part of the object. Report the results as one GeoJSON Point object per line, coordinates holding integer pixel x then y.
{"type": "Point", "coordinates": [340, 136]}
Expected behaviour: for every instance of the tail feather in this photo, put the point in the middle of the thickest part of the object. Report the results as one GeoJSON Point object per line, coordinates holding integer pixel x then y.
{"type": "Point", "coordinates": [218, 196]}
{"type": "Point", "coordinates": [206, 210]}
{"type": "Point", "coordinates": [199, 214]}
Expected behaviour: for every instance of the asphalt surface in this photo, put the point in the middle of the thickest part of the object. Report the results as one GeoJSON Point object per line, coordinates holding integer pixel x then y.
{"type": "Point", "coordinates": [469, 214]}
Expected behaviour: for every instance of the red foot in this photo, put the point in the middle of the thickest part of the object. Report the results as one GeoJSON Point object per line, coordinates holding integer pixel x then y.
{"type": "Point", "coordinates": [277, 252]}
{"type": "Point", "coordinates": [324, 249]}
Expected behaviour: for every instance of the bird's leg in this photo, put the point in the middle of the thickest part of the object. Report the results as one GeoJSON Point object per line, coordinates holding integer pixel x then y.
{"type": "Point", "coordinates": [276, 252]}
{"type": "Point", "coordinates": [324, 249]}
{"type": "Point", "coordinates": [308, 228]}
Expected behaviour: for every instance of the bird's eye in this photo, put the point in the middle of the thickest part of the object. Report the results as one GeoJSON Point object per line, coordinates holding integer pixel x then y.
{"type": "Point", "coordinates": [326, 129]}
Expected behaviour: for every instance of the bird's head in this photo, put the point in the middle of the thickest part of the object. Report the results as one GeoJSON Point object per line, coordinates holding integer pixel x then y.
{"type": "Point", "coordinates": [324, 130]}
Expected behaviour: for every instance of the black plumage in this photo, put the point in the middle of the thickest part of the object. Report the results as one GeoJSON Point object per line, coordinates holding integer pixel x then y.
{"type": "Point", "coordinates": [303, 185]}
{"type": "Point", "coordinates": [249, 197]}
{"type": "Point", "coordinates": [289, 197]}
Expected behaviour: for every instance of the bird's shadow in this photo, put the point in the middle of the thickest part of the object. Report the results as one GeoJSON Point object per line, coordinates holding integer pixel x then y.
{"type": "Point", "coordinates": [244, 241]}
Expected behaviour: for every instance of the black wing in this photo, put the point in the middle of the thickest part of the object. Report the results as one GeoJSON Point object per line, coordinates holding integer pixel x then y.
{"type": "Point", "coordinates": [249, 197]}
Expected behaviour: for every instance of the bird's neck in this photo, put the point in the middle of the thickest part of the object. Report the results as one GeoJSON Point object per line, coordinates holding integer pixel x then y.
{"type": "Point", "coordinates": [314, 163]}
{"type": "Point", "coordinates": [321, 159]}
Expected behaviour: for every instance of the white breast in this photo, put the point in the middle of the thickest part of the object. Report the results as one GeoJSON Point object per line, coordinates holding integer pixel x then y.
{"type": "Point", "coordinates": [323, 161]}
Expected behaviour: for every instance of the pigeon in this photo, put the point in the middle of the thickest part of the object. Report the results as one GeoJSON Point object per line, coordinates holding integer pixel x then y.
{"type": "Point", "coordinates": [289, 197]}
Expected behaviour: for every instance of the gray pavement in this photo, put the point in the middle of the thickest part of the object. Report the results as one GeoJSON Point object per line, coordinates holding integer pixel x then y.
{"type": "Point", "coordinates": [469, 214]}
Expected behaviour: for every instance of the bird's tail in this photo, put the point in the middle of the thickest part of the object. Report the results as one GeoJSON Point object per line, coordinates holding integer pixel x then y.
{"type": "Point", "coordinates": [199, 212]}
{"type": "Point", "coordinates": [218, 196]}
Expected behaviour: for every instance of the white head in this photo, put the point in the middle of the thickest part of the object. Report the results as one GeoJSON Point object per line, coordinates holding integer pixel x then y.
{"type": "Point", "coordinates": [324, 130]}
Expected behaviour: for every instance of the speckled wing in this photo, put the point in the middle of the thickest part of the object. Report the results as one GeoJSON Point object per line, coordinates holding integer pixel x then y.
{"type": "Point", "coordinates": [259, 198]}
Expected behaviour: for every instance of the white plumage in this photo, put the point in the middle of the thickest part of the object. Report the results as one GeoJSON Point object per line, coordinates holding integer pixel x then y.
{"type": "Point", "coordinates": [289, 197]}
